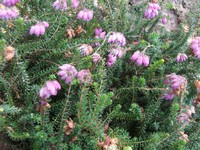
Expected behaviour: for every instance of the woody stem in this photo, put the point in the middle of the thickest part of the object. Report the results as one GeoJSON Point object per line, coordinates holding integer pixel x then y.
{"type": "Point", "coordinates": [64, 110]}
{"type": "Point", "coordinates": [147, 48]}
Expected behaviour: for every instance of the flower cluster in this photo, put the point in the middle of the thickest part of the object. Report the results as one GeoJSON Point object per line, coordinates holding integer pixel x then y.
{"type": "Point", "coordinates": [181, 57]}
{"type": "Point", "coordinates": [99, 34]}
{"type": "Point", "coordinates": [151, 11]}
{"type": "Point", "coordinates": [8, 12]}
{"type": "Point", "coordinates": [50, 88]}
{"type": "Point", "coordinates": [85, 14]}
{"type": "Point", "coordinates": [75, 4]}
{"type": "Point", "coordinates": [10, 3]}
{"type": "Point", "coordinates": [177, 83]}
{"type": "Point", "coordinates": [60, 4]}
{"type": "Point", "coordinates": [117, 38]}
{"type": "Point", "coordinates": [67, 72]}
{"type": "Point", "coordinates": [140, 58]}
{"type": "Point", "coordinates": [39, 28]}
{"type": "Point", "coordinates": [195, 46]}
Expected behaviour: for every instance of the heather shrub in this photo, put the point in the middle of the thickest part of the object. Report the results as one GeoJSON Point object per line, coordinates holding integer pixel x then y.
{"type": "Point", "coordinates": [99, 74]}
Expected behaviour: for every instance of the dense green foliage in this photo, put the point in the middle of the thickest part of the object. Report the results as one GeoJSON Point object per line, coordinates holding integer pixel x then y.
{"type": "Point", "coordinates": [123, 101]}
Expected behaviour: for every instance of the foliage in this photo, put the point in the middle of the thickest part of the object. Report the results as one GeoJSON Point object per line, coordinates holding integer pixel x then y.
{"type": "Point", "coordinates": [123, 101]}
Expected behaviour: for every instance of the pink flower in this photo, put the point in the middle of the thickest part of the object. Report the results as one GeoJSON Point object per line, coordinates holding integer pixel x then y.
{"type": "Point", "coordinates": [135, 56]}
{"type": "Point", "coordinates": [168, 96]}
{"type": "Point", "coordinates": [39, 28]}
{"type": "Point", "coordinates": [111, 59]}
{"type": "Point", "coordinates": [84, 76]}
{"type": "Point", "coordinates": [140, 58]}
{"type": "Point", "coordinates": [117, 52]}
{"type": "Point", "coordinates": [175, 81]}
{"type": "Point", "coordinates": [181, 57]}
{"type": "Point", "coordinates": [164, 19]}
{"type": "Point", "coordinates": [67, 72]}
{"type": "Point", "coordinates": [85, 15]}
{"type": "Point", "coordinates": [45, 24]}
{"type": "Point", "coordinates": [118, 38]}
{"type": "Point", "coordinates": [96, 57]}
{"type": "Point", "coordinates": [75, 4]}
{"type": "Point", "coordinates": [195, 47]}
{"type": "Point", "coordinates": [8, 13]}
{"type": "Point", "coordinates": [10, 3]}
{"type": "Point", "coordinates": [50, 88]}
{"type": "Point", "coordinates": [151, 11]}
{"type": "Point", "coordinates": [99, 33]}
{"type": "Point", "coordinates": [60, 5]}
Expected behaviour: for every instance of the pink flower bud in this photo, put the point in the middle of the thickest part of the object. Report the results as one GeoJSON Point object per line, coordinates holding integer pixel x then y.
{"type": "Point", "coordinates": [75, 4]}
{"type": "Point", "coordinates": [145, 60]}
{"type": "Point", "coordinates": [10, 3]}
{"type": "Point", "coordinates": [39, 28]}
{"type": "Point", "coordinates": [8, 13]}
{"type": "Point", "coordinates": [50, 88]}
{"type": "Point", "coordinates": [151, 11]}
{"type": "Point", "coordinates": [60, 4]}
{"type": "Point", "coordinates": [181, 57]}
{"type": "Point", "coordinates": [85, 15]}
{"type": "Point", "coordinates": [140, 58]}
{"type": "Point", "coordinates": [135, 55]}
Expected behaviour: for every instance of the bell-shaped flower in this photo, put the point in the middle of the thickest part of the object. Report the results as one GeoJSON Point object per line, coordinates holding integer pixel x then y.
{"type": "Point", "coordinates": [85, 14]}
{"type": "Point", "coordinates": [67, 72]}
{"type": "Point", "coordinates": [117, 38]}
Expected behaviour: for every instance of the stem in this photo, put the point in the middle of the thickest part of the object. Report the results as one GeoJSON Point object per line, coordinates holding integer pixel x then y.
{"type": "Point", "coordinates": [81, 98]}
{"type": "Point", "coordinates": [64, 110]}
{"type": "Point", "coordinates": [181, 101]}
{"type": "Point", "coordinates": [103, 42]}
{"type": "Point", "coordinates": [48, 61]}
{"type": "Point", "coordinates": [147, 48]}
